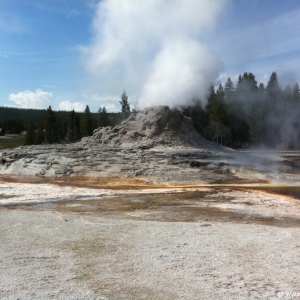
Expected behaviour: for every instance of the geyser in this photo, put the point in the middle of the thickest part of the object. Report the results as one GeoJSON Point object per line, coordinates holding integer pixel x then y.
{"type": "Point", "coordinates": [153, 126]}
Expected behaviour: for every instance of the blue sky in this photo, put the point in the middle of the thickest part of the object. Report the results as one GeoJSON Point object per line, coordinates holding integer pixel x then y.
{"type": "Point", "coordinates": [72, 53]}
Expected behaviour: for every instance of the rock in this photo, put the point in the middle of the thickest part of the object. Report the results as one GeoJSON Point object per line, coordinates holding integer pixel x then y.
{"type": "Point", "coordinates": [197, 164]}
{"type": "Point", "coordinates": [42, 172]}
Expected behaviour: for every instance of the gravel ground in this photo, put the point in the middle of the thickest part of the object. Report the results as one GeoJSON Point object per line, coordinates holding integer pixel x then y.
{"type": "Point", "coordinates": [48, 255]}
{"type": "Point", "coordinates": [52, 251]}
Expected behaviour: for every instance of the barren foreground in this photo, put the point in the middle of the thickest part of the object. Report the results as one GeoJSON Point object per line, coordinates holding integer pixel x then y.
{"type": "Point", "coordinates": [136, 242]}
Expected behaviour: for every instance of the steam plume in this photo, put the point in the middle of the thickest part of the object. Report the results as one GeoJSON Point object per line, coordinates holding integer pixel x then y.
{"type": "Point", "coordinates": [153, 49]}
{"type": "Point", "coordinates": [182, 70]}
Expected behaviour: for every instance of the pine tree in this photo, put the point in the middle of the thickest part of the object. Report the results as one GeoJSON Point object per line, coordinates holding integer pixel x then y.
{"type": "Point", "coordinates": [246, 85]}
{"type": "Point", "coordinates": [29, 137]}
{"type": "Point", "coordinates": [70, 130]}
{"type": "Point", "coordinates": [218, 113]}
{"type": "Point", "coordinates": [296, 92]}
{"type": "Point", "coordinates": [273, 89]}
{"type": "Point", "coordinates": [102, 117]}
{"type": "Point", "coordinates": [261, 88]}
{"type": "Point", "coordinates": [124, 103]}
{"type": "Point", "coordinates": [73, 129]}
{"type": "Point", "coordinates": [287, 93]}
{"type": "Point", "coordinates": [50, 125]}
{"type": "Point", "coordinates": [212, 109]}
{"type": "Point", "coordinates": [62, 127]}
{"type": "Point", "coordinates": [86, 123]}
{"type": "Point", "coordinates": [229, 90]}
{"type": "Point", "coordinates": [39, 135]}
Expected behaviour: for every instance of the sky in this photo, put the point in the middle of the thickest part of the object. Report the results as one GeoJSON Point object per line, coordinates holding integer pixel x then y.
{"type": "Point", "coordinates": [73, 53]}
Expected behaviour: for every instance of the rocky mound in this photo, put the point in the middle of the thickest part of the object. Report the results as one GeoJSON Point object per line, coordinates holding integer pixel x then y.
{"type": "Point", "coordinates": [154, 126]}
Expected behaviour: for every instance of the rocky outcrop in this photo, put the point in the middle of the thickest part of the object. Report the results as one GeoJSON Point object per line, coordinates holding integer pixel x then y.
{"type": "Point", "coordinates": [154, 126]}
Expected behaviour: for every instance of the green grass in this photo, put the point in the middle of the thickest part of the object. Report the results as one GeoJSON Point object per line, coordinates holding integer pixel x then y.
{"type": "Point", "coordinates": [15, 140]}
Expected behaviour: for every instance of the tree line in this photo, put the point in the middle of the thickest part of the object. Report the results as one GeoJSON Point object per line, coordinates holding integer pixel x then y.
{"type": "Point", "coordinates": [48, 126]}
{"type": "Point", "coordinates": [54, 130]}
{"type": "Point", "coordinates": [250, 114]}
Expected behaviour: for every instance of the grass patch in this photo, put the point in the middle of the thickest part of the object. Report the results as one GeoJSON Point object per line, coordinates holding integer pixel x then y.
{"type": "Point", "coordinates": [13, 141]}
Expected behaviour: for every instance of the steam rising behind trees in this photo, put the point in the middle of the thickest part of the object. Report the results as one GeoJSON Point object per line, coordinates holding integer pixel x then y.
{"type": "Point", "coordinates": [250, 114]}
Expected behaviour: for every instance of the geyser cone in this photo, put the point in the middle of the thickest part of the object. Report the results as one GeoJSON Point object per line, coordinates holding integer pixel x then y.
{"type": "Point", "coordinates": [154, 126]}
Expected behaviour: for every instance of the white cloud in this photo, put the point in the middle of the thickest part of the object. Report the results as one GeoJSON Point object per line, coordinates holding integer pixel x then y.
{"type": "Point", "coordinates": [68, 106]}
{"type": "Point", "coordinates": [104, 97]}
{"type": "Point", "coordinates": [27, 99]}
{"type": "Point", "coordinates": [131, 38]}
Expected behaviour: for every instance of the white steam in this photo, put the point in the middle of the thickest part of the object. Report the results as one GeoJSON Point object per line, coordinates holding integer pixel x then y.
{"type": "Point", "coordinates": [153, 48]}
{"type": "Point", "coordinates": [177, 75]}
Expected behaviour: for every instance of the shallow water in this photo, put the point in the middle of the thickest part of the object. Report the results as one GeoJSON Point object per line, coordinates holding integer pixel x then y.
{"type": "Point", "coordinates": [197, 206]}
{"type": "Point", "coordinates": [292, 191]}
{"type": "Point", "coordinates": [205, 205]}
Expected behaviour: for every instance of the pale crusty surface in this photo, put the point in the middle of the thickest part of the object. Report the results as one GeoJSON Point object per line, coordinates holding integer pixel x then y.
{"type": "Point", "coordinates": [94, 247]}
